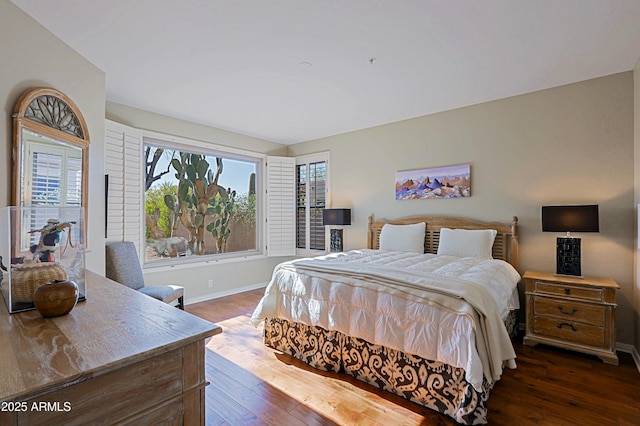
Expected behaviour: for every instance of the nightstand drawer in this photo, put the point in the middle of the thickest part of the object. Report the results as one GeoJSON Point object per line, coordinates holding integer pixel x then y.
{"type": "Point", "coordinates": [577, 313]}
{"type": "Point", "coordinates": [567, 310]}
{"type": "Point", "coordinates": [595, 294]}
{"type": "Point", "coordinates": [569, 331]}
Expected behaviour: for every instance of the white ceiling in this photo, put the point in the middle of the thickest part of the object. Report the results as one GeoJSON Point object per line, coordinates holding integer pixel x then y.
{"type": "Point", "coordinates": [296, 70]}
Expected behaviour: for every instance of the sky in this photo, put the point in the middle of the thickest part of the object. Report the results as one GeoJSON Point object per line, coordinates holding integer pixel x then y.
{"type": "Point", "coordinates": [235, 173]}
{"type": "Point", "coordinates": [432, 172]}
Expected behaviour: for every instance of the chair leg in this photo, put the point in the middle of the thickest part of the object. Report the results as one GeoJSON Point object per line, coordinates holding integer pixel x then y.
{"type": "Point", "coordinates": [181, 302]}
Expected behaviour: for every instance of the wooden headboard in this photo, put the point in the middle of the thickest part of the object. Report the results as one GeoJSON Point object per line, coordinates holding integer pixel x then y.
{"type": "Point", "coordinates": [505, 246]}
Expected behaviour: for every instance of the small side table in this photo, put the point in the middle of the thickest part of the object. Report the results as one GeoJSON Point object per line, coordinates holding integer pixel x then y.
{"type": "Point", "coordinates": [572, 313]}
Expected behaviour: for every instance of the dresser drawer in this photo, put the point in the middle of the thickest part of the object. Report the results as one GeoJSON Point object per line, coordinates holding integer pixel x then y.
{"type": "Point", "coordinates": [107, 399]}
{"type": "Point", "coordinates": [568, 310]}
{"type": "Point", "coordinates": [595, 294]}
{"type": "Point", "coordinates": [569, 331]}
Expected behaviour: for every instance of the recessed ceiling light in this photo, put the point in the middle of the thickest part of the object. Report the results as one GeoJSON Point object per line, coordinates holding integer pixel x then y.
{"type": "Point", "coordinates": [304, 64]}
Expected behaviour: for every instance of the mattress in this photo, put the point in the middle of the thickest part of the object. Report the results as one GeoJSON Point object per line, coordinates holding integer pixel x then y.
{"type": "Point", "coordinates": [442, 308]}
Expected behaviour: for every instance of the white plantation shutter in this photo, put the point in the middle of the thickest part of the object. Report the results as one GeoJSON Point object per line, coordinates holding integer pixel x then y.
{"type": "Point", "coordinates": [46, 178]}
{"type": "Point", "coordinates": [44, 170]}
{"type": "Point", "coordinates": [123, 164]}
{"type": "Point", "coordinates": [47, 169]}
{"type": "Point", "coordinates": [281, 204]}
{"type": "Point", "coordinates": [74, 181]}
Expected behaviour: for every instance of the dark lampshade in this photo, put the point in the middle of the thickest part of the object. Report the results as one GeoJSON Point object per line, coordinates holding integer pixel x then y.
{"type": "Point", "coordinates": [336, 217]}
{"type": "Point", "coordinates": [570, 218]}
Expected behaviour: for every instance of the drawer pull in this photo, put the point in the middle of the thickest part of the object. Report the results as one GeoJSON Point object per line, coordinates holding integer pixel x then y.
{"type": "Point", "coordinates": [567, 324]}
{"type": "Point", "coordinates": [573, 311]}
{"type": "Point", "coordinates": [567, 291]}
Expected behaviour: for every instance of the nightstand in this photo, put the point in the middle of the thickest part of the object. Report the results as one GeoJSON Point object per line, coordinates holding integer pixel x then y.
{"type": "Point", "coordinates": [572, 313]}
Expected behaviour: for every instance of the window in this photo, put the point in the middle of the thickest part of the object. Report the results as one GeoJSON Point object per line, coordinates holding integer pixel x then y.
{"type": "Point", "coordinates": [311, 199]}
{"type": "Point", "coordinates": [157, 197]}
{"type": "Point", "coordinates": [198, 202]}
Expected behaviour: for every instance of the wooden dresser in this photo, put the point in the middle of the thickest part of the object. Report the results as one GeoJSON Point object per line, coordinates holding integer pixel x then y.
{"type": "Point", "coordinates": [572, 313]}
{"type": "Point", "coordinates": [119, 357]}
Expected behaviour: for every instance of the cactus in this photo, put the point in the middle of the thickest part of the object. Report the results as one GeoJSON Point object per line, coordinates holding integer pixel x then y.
{"type": "Point", "coordinates": [252, 184]}
{"type": "Point", "coordinates": [197, 188]}
{"type": "Point", "coordinates": [223, 206]}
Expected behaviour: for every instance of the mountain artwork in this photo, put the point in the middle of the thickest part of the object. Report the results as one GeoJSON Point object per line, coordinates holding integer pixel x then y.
{"type": "Point", "coordinates": [440, 182]}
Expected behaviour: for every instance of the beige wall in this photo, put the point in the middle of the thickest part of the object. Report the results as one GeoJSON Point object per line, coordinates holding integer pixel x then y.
{"type": "Point", "coordinates": [32, 57]}
{"type": "Point", "coordinates": [227, 277]}
{"type": "Point", "coordinates": [145, 120]}
{"type": "Point", "coordinates": [567, 145]}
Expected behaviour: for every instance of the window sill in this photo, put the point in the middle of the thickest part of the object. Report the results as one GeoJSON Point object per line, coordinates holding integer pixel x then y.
{"type": "Point", "coordinates": [201, 263]}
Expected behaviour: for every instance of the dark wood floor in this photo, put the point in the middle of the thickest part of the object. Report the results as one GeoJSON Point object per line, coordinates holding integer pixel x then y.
{"type": "Point", "coordinates": [255, 385]}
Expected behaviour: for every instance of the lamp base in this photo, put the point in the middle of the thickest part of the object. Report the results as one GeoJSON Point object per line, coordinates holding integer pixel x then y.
{"type": "Point", "coordinates": [336, 240]}
{"type": "Point", "coordinates": [568, 257]}
{"type": "Point", "coordinates": [568, 276]}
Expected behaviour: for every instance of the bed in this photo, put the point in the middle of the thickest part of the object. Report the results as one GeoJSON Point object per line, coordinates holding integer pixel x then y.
{"type": "Point", "coordinates": [426, 311]}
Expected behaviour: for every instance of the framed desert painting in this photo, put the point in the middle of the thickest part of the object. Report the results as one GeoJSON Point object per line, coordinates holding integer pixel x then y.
{"type": "Point", "coordinates": [438, 182]}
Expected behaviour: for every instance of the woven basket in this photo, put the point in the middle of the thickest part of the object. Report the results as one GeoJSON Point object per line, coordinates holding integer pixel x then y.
{"type": "Point", "coordinates": [26, 278]}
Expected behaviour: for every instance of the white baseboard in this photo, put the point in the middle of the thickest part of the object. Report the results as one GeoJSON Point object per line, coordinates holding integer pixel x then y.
{"type": "Point", "coordinates": [219, 294]}
{"type": "Point", "coordinates": [623, 347]}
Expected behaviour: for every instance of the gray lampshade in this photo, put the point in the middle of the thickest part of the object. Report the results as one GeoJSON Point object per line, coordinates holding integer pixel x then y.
{"type": "Point", "coordinates": [570, 218]}
{"type": "Point", "coordinates": [336, 217]}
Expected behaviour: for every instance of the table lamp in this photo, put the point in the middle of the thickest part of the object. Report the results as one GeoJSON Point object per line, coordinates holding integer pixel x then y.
{"type": "Point", "coordinates": [336, 217]}
{"type": "Point", "coordinates": [569, 219]}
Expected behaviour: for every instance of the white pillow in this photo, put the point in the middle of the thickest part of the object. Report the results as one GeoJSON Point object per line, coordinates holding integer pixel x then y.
{"type": "Point", "coordinates": [467, 242]}
{"type": "Point", "coordinates": [408, 238]}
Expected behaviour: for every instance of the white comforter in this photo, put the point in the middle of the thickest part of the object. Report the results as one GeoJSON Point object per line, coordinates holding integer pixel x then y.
{"type": "Point", "coordinates": [441, 308]}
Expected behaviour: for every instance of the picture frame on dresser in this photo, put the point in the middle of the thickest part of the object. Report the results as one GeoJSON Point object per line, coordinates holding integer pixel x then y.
{"type": "Point", "coordinates": [576, 313]}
